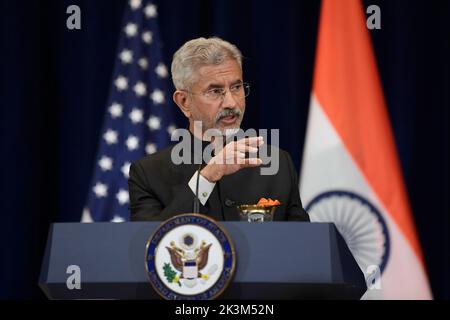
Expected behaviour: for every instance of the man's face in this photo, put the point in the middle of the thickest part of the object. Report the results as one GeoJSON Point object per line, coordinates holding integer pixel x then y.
{"type": "Point", "coordinates": [223, 113]}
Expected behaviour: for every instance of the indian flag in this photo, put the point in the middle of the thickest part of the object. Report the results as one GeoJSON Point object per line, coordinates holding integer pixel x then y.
{"type": "Point", "coordinates": [351, 173]}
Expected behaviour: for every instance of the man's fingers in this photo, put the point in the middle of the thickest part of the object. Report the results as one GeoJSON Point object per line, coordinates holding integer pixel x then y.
{"type": "Point", "coordinates": [251, 162]}
{"type": "Point", "coordinates": [246, 148]}
{"type": "Point", "coordinates": [252, 141]}
{"type": "Point", "coordinates": [244, 145]}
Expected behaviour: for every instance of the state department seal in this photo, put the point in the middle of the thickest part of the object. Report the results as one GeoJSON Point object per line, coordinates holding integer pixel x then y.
{"type": "Point", "coordinates": [190, 257]}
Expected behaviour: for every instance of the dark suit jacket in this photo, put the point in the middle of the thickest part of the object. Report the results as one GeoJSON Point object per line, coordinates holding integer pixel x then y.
{"type": "Point", "coordinates": [159, 190]}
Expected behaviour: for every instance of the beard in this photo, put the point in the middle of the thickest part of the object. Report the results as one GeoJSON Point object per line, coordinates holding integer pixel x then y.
{"type": "Point", "coordinates": [217, 123]}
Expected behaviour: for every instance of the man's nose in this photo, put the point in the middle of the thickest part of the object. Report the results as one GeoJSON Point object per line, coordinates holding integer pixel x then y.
{"type": "Point", "coordinates": [229, 101]}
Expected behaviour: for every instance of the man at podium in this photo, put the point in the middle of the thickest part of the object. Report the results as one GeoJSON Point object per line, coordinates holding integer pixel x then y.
{"type": "Point", "coordinates": [210, 91]}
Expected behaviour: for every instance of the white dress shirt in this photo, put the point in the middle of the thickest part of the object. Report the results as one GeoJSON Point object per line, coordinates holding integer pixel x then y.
{"type": "Point", "coordinates": [204, 187]}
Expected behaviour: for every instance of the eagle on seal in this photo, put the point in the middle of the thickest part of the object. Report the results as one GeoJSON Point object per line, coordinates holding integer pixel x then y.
{"type": "Point", "coordinates": [189, 263]}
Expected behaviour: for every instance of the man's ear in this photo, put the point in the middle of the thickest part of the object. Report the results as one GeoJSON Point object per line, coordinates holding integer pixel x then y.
{"type": "Point", "coordinates": [181, 99]}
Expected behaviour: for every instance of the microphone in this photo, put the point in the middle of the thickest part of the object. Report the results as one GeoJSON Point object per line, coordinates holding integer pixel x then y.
{"type": "Point", "coordinates": [196, 207]}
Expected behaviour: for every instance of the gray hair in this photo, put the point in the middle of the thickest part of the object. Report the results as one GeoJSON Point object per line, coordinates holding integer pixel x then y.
{"type": "Point", "coordinates": [197, 53]}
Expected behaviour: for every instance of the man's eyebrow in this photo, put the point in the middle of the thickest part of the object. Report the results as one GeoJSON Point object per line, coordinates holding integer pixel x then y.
{"type": "Point", "coordinates": [216, 85]}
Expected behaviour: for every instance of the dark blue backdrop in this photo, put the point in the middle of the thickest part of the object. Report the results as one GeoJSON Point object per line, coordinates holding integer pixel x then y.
{"type": "Point", "coordinates": [54, 86]}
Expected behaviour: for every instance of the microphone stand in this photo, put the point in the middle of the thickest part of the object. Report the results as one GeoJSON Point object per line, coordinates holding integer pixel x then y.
{"type": "Point", "coordinates": [196, 207]}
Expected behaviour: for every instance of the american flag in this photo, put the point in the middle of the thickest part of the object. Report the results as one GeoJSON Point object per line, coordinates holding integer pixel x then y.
{"type": "Point", "coordinates": [138, 119]}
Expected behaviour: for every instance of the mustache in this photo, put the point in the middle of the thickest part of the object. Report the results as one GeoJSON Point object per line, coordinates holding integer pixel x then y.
{"type": "Point", "coordinates": [228, 112]}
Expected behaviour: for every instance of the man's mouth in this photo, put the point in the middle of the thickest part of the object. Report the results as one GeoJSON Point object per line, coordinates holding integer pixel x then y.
{"type": "Point", "coordinates": [229, 119]}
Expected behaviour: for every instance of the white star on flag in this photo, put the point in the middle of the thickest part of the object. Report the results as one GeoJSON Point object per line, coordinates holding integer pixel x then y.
{"type": "Point", "coordinates": [171, 129]}
{"type": "Point", "coordinates": [147, 37]}
{"type": "Point", "coordinates": [161, 70]}
{"type": "Point", "coordinates": [100, 190]}
{"type": "Point", "coordinates": [131, 30]}
{"type": "Point", "coordinates": [132, 142]}
{"type": "Point", "coordinates": [135, 4]}
{"type": "Point", "coordinates": [136, 115]}
{"type": "Point", "coordinates": [150, 148]}
{"type": "Point", "coordinates": [121, 83]}
{"type": "Point", "coordinates": [110, 137]}
{"type": "Point", "coordinates": [143, 63]}
{"type": "Point", "coordinates": [126, 56]}
{"type": "Point", "coordinates": [154, 123]}
{"type": "Point", "coordinates": [150, 11]}
{"type": "Point", "coordinates": [122, 196]}
{"type": "Point", "coordinates": [117, 219]}
{"type": "Point", "coordinates": [140, 89]}
{"type": "Point", "coordinates": [115, 110]}
{"type": "Point", "coordinates": [157, 96]}
{"type": "Point", "coordinates": [105, 163]}
{"type": "Point", "coordinates": [126, 169]}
